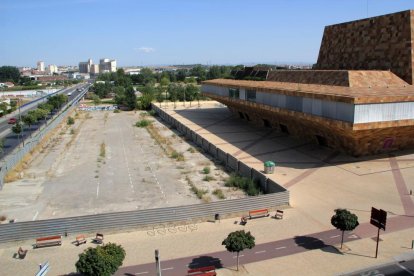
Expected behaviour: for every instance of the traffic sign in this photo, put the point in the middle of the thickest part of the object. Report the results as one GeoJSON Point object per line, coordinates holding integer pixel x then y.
{"type": "Point", "coordinates": [378, 218]}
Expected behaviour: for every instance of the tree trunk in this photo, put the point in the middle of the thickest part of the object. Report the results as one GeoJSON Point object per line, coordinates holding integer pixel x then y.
{"type": "Point", "coordinates": [237, 261]}
{"type": "Point", "coordinates": [342, 239]}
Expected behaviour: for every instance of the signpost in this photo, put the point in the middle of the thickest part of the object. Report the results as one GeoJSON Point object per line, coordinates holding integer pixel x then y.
{"type": "Point", "coordinates": [378, 219]}
{"type": "Point", "coordinates": [157, 262]}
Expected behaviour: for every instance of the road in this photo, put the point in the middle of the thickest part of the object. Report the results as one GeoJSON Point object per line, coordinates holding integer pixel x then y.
{"type": "Point", "coordinates": [11, 140]}
{"type": "Point", "coordinates": [401, 268]}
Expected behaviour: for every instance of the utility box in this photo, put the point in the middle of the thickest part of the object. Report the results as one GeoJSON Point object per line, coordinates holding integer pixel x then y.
{"type": "Point", "coordinates": [269, 167]}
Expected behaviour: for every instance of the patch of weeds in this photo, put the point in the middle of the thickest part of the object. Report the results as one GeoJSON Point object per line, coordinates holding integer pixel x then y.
{"type": "Point", "coordinates": [219, 194]}
{"type": "Point", "coordinates": [191, 149]}
{"type": "Point", "coordinates": [76, 115]}
{"type": "Point", "coordinates": [70, 120]}
{"type": "Point", "coordinates": [72, 131]}
{"type": "Point", "coordinates": [246, 184]}
{"type": "Point", "coordinates": [198, 192]}
{"type": "Point", "coordinates": [206, 170]}
{"type": "Point", "coordinates": [173, 135]}
{"type": "Point", "coordinates": [117, 111]}
{"type": "Point", "coordinates": [143, 123]}
{"type": "Point", "coordinates": [177, 156]}
{"type": "Point", "coordinates": [102, 150]}
{"type": "Point", "coordinates": [96, 176]}
{"type": "Point", "coordinates": [206, 199]}
{"type": "Point", "coordinates": [3, 218]}
{"type": "Point", "coordinates": [152, 112]}
{"type": "Point", "coordinates": [208, 178]}
{"type": "Point", "coordinates": [180, 167]}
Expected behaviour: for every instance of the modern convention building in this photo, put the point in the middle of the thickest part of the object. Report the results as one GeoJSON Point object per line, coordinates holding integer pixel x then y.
{"type": "Point", "coordinates": [359, 98]}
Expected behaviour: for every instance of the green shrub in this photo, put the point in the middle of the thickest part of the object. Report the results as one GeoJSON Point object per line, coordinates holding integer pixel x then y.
{"type": "Point", "coordinates": [219, 194]}
{"type": "Point", "coordinates": [152, 112]}
{"type": "Point", "coordinates": [117, 111]}
{"type": "Point", "coordinates": [70, 121]}
{"type": "Point", "coordinates": [177, 156]}
{"type": "Point", "coordinates": [206, 170]}
{"type": "Point", "coordinates": [191, 149]}
{"type": "Point", "coordinates": [246, 184]}
{"type": "Point", "coordinates": [208, 178]}
{"type": "Point", "coordinates": [143, 123]}
{"type": "Point", "coordinates": [102, 260]}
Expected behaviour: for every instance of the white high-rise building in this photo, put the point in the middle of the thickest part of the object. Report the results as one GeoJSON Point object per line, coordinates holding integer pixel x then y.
{"type": "Point", "coordinates": [85, 67]}
{"type": "Point", "coordinates": [107, 65]}
{"type": "Point", "coordinates": [41, 66]}
{"type": "Point", "coordinates": [52, 69]}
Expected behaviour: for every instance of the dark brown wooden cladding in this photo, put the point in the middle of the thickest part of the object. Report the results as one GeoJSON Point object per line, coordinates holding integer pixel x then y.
{"type": "Point", "coordinates": [377, 43]}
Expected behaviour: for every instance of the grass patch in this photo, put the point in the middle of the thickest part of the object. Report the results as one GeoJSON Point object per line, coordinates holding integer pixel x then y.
{"type": "Point", "coordinates": [72, 131]}
{"type": "Point", "coordinates": [219, 194]}
{"type": "Point", "coordinates": [208, 178]}
{"type": "Point", "coordinates": [206, 170]}
{"type": "Point", "coordinates": [191, 150]}
{"type": "Point", "coordinates": [246, 184]}
{"type": "Point", "coordinates": [152, 112]}
{"type": "Point", "coordinates": [143, 123]}
{"type": "Point", "coordinates": [198, 192]}
{"type": "Point", "coordinates": [177, 156]}
{"type": "Point", "coordinates": [117, 111]}
{"type": "Point", "coordinates": [102, 150]}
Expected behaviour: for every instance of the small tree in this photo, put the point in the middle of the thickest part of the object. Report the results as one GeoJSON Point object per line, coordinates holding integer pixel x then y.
{"type": "Point", "coordinates": [238, 241]}
{"type": "Point", "coordinates": [102, 260]}
{"type": "Point", "coordinates": [96, 100]}
{"type": "Point", "coordinates": [70, 121]}
{"type": "Point", "coordinates": [344, 221]}
{"type": "Point", "coordinates": [17, 129]}
{"type": "Point", "coordinates": [29, 119]}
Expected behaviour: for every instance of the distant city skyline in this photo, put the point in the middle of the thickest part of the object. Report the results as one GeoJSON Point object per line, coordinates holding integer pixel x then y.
{"type": "Point", "coordinates": [140, 33]}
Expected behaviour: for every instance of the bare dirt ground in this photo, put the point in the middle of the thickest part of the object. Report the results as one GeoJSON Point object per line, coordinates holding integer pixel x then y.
{"type": "Point", "coordinates": [103, 163]}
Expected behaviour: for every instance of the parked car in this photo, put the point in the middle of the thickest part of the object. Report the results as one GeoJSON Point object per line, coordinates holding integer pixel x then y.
{"type": "Point", "coordinates": [12, 121]}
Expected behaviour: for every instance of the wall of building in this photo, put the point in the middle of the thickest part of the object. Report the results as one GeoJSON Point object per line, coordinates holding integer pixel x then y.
{"type": "Point", "coordinates": [326, 133]}
{"type": "Point", "coordinates": [377, 43]}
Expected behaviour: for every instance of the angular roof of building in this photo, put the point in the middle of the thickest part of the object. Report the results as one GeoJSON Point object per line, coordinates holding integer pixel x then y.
{"type": "Point", "coordinates": [362, 88]}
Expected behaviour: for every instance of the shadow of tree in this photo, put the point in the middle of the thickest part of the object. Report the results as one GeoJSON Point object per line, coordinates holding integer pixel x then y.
{"type": "Point", "coordinates": [311, 243]}
{"type": "Point", "coordinates": [203, 261]}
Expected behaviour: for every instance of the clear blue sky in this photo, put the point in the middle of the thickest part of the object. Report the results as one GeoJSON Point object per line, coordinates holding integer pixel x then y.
{"type": "Point", "coordinates": [150, 32]}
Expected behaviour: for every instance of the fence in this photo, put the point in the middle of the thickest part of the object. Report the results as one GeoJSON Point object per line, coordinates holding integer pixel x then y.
{"type": "Point", "coordinates": [18, 153]}
{"type": "Point", "coordinates": [266, 184]}
{"type": "Point", "coordinates": [138, 218]}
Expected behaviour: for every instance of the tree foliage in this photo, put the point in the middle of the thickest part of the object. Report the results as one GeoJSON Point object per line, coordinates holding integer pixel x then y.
{"type": "Point", "coordinates": [9, 73]}
{"type": "Point", "coordinates": [102, 260]}
{"type": "Point", "coordinates": [238, 241]}
{"type": "Point", "coordinates": [344, 220]}
{"type": "Point", "coordinates": [130, 98]}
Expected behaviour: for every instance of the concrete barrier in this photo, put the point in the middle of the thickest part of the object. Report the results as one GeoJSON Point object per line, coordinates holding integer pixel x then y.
{"type": "Point", "coordinates": [213, 150]}
{"type": "Point", "coordinates": [232, 162]}
{"type": "Point", "coordinates": [245, 170]}
{"type": "Point", "coordinates": [260, 178]}
{"type": "Point", "coordinates": [222, 156]}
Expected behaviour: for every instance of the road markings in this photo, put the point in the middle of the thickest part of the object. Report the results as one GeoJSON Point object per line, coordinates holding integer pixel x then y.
{"type": "Point", "coordinates": [168, 268]}
{"type": "Point", "coordinates": [234, 257]}
{"type": "Point", "coordinates": [282, 247]}
{"type": "Point", "coordinates": [259, 252]}
{"type": "Point", "coordinates": [35, 216]}
{"type": "Point", "coordinates": [403, 267]}
{"type": "Point", "coordinates": [139, 273]}
{"type": "Point", "coordinates": [353, 236]}
{"type": "Point", "coordinates": [97, 190]}
{"type": "Point", "coordinates": [333, 237]}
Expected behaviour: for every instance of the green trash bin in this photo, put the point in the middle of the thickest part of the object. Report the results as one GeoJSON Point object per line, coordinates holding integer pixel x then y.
{"type": "Point", "coordinates": [269, 167]}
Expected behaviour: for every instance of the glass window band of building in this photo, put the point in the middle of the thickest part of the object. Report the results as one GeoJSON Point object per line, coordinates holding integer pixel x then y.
{"type": "Point", "coordinates": [251, 95]}
{"type": "Point", "coordinates": [234, 93]}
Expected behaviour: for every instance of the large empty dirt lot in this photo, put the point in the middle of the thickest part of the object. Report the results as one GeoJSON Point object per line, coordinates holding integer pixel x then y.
{"type": "Point", "coordinates": [103, 163]}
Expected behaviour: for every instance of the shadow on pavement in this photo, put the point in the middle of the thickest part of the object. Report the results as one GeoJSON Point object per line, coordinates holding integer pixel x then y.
{"type": "Point", "coordinates": [311, 243]}
{"type": "Point", "coordinates": [204, 261]}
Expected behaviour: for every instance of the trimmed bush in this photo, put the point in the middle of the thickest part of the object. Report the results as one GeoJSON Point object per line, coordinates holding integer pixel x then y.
{"type": "Point", "coordinates": [102, 260]}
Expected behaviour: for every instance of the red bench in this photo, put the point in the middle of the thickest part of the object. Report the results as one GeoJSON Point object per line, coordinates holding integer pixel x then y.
{"type": "Point", "coordinates": [259, 213]}
{"type": "Point", "coordinates": [202, 271]}
{"type": "Point", "coordinates": [48, 241]}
